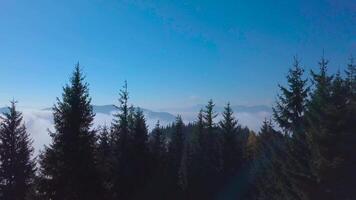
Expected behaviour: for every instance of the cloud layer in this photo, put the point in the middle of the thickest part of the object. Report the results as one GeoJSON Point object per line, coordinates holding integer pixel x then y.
{"type": "Point", "coordinates": [39, 122]}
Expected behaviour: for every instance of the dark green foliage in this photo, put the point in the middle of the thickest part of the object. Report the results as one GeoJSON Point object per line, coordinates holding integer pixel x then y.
{"type": "Point", "coordinates": [291, 104]}
{"type": "Point", "coordinates": [268, 172]}
{"type": "Point", "coordinates": [333, 140]}
{"type": "Point", "coordinates": [122, 128]}
{"type": "Point", "coordinates": [289, 113]}
{"type": "Point", "coordinates": [17, 166]}
{"type": "Point", "coordinates": [232, 150]}
{"type": "Point", "coordinates": [105, 157]}
{"type": "Point", "coordinates": [140, 154]}
{"type": "Point", "coordinates": [206, 157]}
{"type": "Point", "coordinates": [175, 155]}
{"type": "Point", "coordinates": [309, 155]}
{"type": "Point", "coordinates": [317, 117]}
{"type": "Point", "coordinates": [157, 185]}
{"type": "Point", "coordinates": [158, 147]}
{"type": "Point", "coordinates": [68, 165]}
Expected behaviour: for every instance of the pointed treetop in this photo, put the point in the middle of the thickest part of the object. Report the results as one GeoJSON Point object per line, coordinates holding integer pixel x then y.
{"type": "Point", "coordinates": [228, 123]}
{"type": "Point", "coordinates": [209, 114]}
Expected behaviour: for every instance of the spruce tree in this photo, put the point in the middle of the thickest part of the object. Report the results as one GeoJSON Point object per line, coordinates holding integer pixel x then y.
{"type": "Point", "coordinates": [175, 153]}
{"type": "Point", "coordinates": [195, 168]}
{"type": "Point", "coordinates": [17, 166]}
{"type": "Point", "coordinates": [321, 93]}
{"type": "Point", "coordinates": [68, 164]}
{"type": "Point", "coordinates": [335, 143]}
{"type": "Point", "coordinates": [212, 142]}
{"type": "Point", "coordinates": [209, 116]}
{"type": "Point", "coordinates": [105, 157]}
{"type": "Point", "coordinates": [232, 151]}
{"type": "Point", "coordinates": [120, 125]}
{"type": "Point", "coordinates": [158, 164]}
{"type": "Point", "coordinates": [140, 154]}
{"type": "Point", "coordinates": [211, 161]}
{"type": "Point", "coordinates": [317, 117]}
{"type": "Point", "coordinates": [158, 147]}
{"type": "Point", "coordinates": [122, 147]}
{"type": "Point", "coordinates": [290, 106]}
{"type": "Point", "coordinates": [289, 113]}
{"type": "Point", "coordinates": [268, 173]}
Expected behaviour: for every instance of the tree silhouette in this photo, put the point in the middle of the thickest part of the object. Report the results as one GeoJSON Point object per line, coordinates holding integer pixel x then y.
{"type": "Point", "coordinates": [17, 166]}
{"type": "Point", "coordinates": [68, 164]}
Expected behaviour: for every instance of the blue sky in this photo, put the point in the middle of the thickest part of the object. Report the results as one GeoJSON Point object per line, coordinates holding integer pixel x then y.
{"type": "Point", "coordinates": [172, 53]}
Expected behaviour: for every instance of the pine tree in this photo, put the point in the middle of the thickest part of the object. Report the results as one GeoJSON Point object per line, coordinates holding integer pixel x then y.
{"type": "Point", "coordinates": [269, 177]}
{"type": "Point", "coordinates": [17, 166]}
{"type": "Point", "coordinates": [140, 154]}
{"type": "Point", "coordinates": [210, 152]}
{"type": "Point", "coordinates": [290, 107]}
{"type": "Point", "coordinates": [289, 114]}
{"type": "Point", "coordinates": [212, 140]}
{"type": "Point", "coordinates": [104, 157]}
{"type": "Point", "coordinates": [195, 158]}
{"type": "Point", "coordinates": [120, 125]}
{"type": "Point", "coordinates": [122, 130]}
{"type": "Point", "coordinates": [158, 147]}
{"type": "Point", "coordinates": [175, 153]}
{"type": "Point", "coordinates": [158, 164]}
{"type": "Point", "coordinates": [68, 165]}
{"type": "Point", "coordinates": [317, 115]}
{"type": "Point", "coordinates": [232, 151]}
{"type": "Point", "coordinates": [209, 116]}
{"type": "Point", "coordinates": [198, 137]}
{"type": "Point", "coordinates": [334, 142]}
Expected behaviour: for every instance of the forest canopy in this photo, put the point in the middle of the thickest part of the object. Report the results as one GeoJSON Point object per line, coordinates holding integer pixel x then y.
{"type": "Point", "coordinates": [306, 151]}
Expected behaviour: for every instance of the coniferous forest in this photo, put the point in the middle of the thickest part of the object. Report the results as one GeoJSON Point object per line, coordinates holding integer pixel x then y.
{"type": "Point", "coordinates": [307, 150]}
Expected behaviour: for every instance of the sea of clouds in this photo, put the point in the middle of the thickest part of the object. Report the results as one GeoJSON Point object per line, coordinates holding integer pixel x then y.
{"type": "Point", "coordinates": [40, 122]}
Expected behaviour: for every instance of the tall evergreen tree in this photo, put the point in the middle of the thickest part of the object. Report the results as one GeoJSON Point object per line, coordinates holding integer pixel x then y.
{"type": "Point", "coordinates": [158, 147]}
{"type": "Point", "coordinates": [290, 106]}
{"type": "Point", "coordinates": [175, 153]}
{"type": "Point", "coordinates": [232, 151]}
{"type": "Point", "coordinates": [212, 142]}
{"type": "Point", "coordinates": [122, 147]}
{"type": "Point", "coordinates": [321, 93]}
{"type": "Point", "coordinates": [209, 116]}
{"type": "Point", "coordinates": [317, 114]}
{"type": "Point", "coordinates": [269, 177]}
{"type": "Point", "coordinates": [105, 157]}
{"type": "Point", "coordinates": [140, 154]}
{"type": "Point", "coordinates": [210, 152]}
{"type": "Point", "coordinates": [195, 158]}
{"type": "Point", "coordinates": [289, 114]}
{"type": "Point", "coordinates": [198, 137]}
{"type": "Point", "coordinates": [334, 142]}
{"type": "Point", "coordinates": [17, 166]}
{"type": "Point", "coordinates": [68, 165]}
{"type": "Point", "coordinates": [121, 120]}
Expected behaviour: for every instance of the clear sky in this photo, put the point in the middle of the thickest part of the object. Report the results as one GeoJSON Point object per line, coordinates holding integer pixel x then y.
{"type": "Point", "coordinates": [172, 53]}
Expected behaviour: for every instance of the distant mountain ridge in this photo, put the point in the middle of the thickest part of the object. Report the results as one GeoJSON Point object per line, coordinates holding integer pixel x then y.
{"type": "Point", "coordinates": [111, 109]}
{"type": "Point", "coordinates": [4, 109]}
{"type": "Point", "coordinates": [235, 108]}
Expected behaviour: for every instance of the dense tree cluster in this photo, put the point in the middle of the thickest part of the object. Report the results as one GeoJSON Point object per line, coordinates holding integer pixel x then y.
{"type": "Point", "coordinates": [306, 152]}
